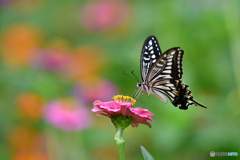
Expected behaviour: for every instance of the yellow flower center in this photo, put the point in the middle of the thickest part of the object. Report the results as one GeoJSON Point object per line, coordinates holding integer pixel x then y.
{"type": "Point", "coordinates": [121, 98]}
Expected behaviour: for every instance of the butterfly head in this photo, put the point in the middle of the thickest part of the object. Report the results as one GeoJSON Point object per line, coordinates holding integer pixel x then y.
{"type": "Point", "coordinates": [139, 84]}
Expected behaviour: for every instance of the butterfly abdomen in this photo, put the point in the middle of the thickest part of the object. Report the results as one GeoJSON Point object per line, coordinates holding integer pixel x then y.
{"type": "Point", "coordinates": [183, 95]}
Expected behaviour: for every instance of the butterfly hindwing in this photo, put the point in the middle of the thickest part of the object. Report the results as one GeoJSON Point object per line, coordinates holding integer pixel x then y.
{"type": "Point", "coordinates": [183, 97]}
{"type": "Point", "coordinates": [150, 53]}
{"type": "Point", "coordinates": [177, 91]}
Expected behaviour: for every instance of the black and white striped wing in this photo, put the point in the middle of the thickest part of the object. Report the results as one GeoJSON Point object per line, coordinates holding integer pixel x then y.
{"type": "Point", "coordinates": [150, 53]}
{"type": "Point", "coordinates": [163, 78]}
{"type": "Point", "coordinates": [168, 66]}
{"type": "Point", "coordinates": [178, 93]}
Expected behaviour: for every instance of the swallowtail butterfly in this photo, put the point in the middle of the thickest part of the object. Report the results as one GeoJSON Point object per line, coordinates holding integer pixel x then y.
{"type": "Point", "coordinates": [161, 74]}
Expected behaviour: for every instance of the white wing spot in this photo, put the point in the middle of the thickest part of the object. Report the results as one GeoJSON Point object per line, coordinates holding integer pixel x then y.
{"type": "Point", "coordinates": [150, 43]}
{"type": "Point", "coordinates": [170, 93]}
{"type": "Point", "coordinates": [158, 49]}
{"type": "Point", "coordinates": [150, 48]}
{"type": "Point", "coordinates": [145, 52]}
{"type": "Point", "coordinates": [154, 60]}
{"type": "Point", "coordinates": [159, 65]}
{"type": "Point", "coordinates": [152, 52]}
{"type": "Point", "coordinates": [167, 71]}
{"type": "Point", "coordinates": [146, 47]}
{"type": "Point", "coordinates": [169, 85]}
{"type": "Point", "coordinates": [153, 56]}
{"type": "Point", "coordinates": [152, 38]}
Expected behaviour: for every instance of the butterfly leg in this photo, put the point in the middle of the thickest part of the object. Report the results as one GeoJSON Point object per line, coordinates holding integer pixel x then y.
{"type": "Point", "coordinates": [134, 93]}
{"type": "Point", "coordinates": [137, 93]}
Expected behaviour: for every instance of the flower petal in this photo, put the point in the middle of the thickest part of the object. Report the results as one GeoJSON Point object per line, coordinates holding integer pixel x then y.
{"type": "Point", "coordinates": [103, 114]}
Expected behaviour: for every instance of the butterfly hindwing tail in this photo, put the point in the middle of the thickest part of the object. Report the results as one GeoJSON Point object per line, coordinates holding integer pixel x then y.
{"type": "Point", "coordinates": [183, 97]}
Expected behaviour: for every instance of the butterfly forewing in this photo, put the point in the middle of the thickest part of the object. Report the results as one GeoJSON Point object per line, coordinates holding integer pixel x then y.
{"type": "Point", "coordinates": [176, 67]}
{"type": "Point", "coordinates": [150, 53]}
{"type": "Point", "coordinates": [168, 66]}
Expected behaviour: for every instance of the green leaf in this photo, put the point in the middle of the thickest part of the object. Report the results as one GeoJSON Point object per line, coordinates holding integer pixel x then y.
{"type": "Point", "coordinates": [146, 154]}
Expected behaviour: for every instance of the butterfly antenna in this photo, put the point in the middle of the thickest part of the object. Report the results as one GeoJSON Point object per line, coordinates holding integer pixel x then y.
{"type": "Point", "coordinates": [135, 76]}
{"type": "Point", "coordinates": [129, 76]}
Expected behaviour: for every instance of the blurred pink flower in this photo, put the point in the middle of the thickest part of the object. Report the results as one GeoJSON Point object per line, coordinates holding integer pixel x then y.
{"type": "Point", "coordinates": [102, 90]}
{"type": "Point", "coordinates": [67, 115]}
{"type": "Point", "coordinates": [125, 108]}
{"type": "Point", "coordinates": [104, 14]}
{"type": "Point", "coordinates": [4, 1]}
{"type": "Point", "coordinates": [52, 60]}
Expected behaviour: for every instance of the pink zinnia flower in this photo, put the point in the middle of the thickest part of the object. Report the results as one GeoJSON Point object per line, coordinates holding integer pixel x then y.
{"type": "Point", "coordinates": [121, 107]}
{"type": "Point", "coordinates": [67, 115]}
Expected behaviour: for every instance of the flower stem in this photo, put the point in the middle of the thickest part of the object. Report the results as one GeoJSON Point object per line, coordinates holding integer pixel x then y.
{"type": "Point", "coordinates": [120, 142]}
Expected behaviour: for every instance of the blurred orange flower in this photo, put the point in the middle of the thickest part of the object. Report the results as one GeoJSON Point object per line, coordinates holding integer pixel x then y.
{"type": "Point", "coordinates": [27, 144]}
{"type": "Point", "coordinates": [30, 105]}
{"type": "Point", "coordinates": [106, 152]}
{"type": "Point", "coordinates": [87, 62]}
{"type": "Point", "coordinates": [30, 156]}
{"type": "Point", "coordinates": [18, 44]}
{"type": "Point", "coordinates": [22, 138]}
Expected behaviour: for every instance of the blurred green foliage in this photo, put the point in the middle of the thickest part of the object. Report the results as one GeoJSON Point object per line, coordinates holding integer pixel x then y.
{"type": "Point", "coordinates": [207, 31]}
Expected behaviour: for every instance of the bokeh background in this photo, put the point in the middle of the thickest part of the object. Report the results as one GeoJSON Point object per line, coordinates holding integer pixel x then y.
{"type": "Point", "coordinates": [58, 57]}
